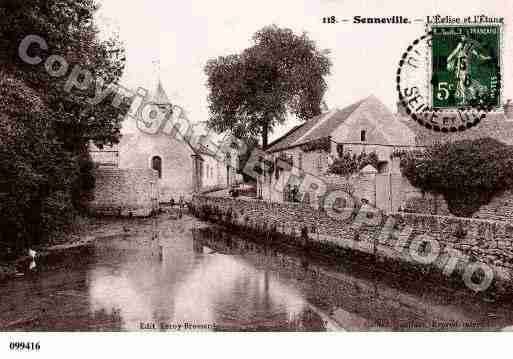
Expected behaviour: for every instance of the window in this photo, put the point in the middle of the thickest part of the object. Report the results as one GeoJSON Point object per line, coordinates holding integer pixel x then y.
{"type": "Point", "coordinates": [156, 164]}
{"type": "Point", "coordinates": [207, 174]}
{"type": "Point", "coordinates": [363, 136]}
{"type": "Point", "coordinates": [300, 161]}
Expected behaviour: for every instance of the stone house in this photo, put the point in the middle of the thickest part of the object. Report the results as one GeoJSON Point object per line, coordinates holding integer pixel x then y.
{"type": "Point", "coordinates": [368, 126]}
{"type": "Point", "coordinates": [365, 126]}
{"type": "Point", "coordinates": [215, 172]}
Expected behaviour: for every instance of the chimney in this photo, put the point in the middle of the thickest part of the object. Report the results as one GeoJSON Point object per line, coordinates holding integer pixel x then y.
{"type": "Point", "coordinates": [401, 111]}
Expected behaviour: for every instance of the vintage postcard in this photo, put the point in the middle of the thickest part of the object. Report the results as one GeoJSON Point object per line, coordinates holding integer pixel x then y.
{"type": "Point", "coordinates": [169, 169]}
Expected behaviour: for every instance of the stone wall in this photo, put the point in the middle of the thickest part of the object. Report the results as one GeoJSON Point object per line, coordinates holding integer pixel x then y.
{"type": "Point", "coordinates": [462, 242]}
{"type": "Point", "coordinates": [362, 185]}
{"type": "Point", "coordinates": [396, 189]}
{"type": "Point", "coordinates": [411, 199]}
{"type": "Point", "coordinates": [500, 208]}
{"type": "Point", "coordinates": [125, 191]}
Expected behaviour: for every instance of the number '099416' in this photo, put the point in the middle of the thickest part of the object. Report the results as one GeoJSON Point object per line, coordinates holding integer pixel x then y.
{"type": "Point", "coordinates": [24, 346]}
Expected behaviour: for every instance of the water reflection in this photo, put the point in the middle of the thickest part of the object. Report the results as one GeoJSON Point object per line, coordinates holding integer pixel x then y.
{"type": "Point", "coordinates": [169, 278]}
{"type": "Point", "coordinates": [190, 282]}
{"type": "Point", "coordinates": [357, 298]}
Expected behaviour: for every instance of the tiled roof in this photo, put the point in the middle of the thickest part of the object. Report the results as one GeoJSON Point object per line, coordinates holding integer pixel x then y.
{"type": "Point", "coordinates": [327, 125]}
{"type": "Point", "coordinates": [317, 127]}
{"type": "Point", "coordinates": [495, 126]}
{"type": "Point", "coordinates": [290, 137]}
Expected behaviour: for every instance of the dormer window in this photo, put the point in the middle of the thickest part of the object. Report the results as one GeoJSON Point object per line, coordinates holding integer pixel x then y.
{"type": "Point", "coordinates": [363, 136]}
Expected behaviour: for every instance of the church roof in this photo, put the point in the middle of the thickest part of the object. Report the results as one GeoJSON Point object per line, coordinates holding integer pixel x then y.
{"type": "Point", "coordinates": [158, 95]}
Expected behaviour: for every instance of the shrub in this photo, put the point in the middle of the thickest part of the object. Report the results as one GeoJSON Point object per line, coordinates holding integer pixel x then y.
{"type": "Point", "coordinates": [467, 173]}
{"type": "Point", "coordinates": [321, 144]}
{"type": "Point", "coordinates": [349, 163]}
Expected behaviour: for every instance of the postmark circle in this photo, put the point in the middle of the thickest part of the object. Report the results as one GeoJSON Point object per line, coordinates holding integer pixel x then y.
{"type": "Point", "coordinates": [415, 85]}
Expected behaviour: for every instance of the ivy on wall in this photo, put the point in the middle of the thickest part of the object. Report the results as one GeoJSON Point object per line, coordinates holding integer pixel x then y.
{"type": "Point", "coordinates": [399, 153]}
{"type": "Point", "coordinates": [321, 144]}
{"type": "Point", "coordinates": [349, 164]}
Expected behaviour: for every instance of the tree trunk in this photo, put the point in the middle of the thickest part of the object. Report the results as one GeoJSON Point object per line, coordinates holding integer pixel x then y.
{"type": "Point", "coordinates": [265, 134]}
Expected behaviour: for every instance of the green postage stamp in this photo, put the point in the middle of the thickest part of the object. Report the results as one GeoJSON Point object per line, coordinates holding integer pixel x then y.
{"type": "Point", "coordinates": [466, 66]}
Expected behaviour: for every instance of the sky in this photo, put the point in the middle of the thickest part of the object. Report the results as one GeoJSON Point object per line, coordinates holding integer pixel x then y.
{"type": "Point", "coordinates": [183, 35]}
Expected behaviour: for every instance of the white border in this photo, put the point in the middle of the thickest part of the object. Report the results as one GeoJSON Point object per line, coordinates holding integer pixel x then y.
{"type": "Point", "coordinates": [260, 345]}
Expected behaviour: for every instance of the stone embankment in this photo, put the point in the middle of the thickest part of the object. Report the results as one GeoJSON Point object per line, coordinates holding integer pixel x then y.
{"type": "Point", "coordinates": [479, 253]}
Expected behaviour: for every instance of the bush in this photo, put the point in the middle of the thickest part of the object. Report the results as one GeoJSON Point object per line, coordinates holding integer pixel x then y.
{"type": "Point", "coordinates": [467, 173]}
{"type": "Point", "coordinates": [56, 211]}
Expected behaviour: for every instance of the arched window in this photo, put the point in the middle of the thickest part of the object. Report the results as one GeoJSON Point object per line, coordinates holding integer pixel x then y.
{"type": "Point", "coordinates": [363, 136]}
{"type": "Point", "coordinates": [156, 164]}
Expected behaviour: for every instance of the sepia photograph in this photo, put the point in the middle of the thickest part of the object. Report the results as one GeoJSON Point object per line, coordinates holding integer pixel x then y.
{"type": "Point", "coordinates": [174, 169]}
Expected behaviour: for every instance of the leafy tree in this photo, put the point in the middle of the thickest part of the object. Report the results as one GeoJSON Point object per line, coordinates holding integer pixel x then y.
{"type": "Point", "coordinates": [467, 173]}
{"type": "Point", "coordinates": [69, 30]}
{"type": "Point", "coordinates": [33, 167]}
{"type": "Point", "coordinates": [44, 130]}
{"type": "Point", "coordinates": [349, 163]}
{"type": "Point", "coordinates": [252, 92]}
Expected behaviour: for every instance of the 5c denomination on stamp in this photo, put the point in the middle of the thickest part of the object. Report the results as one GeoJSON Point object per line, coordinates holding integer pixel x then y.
{"type": "Point", "coordinates": [449, 79]}
{"type": "Point", "coordinates": [466, 66]}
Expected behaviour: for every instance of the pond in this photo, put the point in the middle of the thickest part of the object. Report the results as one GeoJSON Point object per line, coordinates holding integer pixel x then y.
{"type": "Point", "coordinates": [183, 277]}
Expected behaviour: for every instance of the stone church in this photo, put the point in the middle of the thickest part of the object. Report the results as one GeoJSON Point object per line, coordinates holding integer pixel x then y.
{"type": "Point", "coordinates": [146, 169]}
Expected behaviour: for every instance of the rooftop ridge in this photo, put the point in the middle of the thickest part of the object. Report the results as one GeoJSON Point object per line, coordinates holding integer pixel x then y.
{"type": "Point", "coordinates": [286, 134]}
{"type": "Point", "coordinates": [316, 126]}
